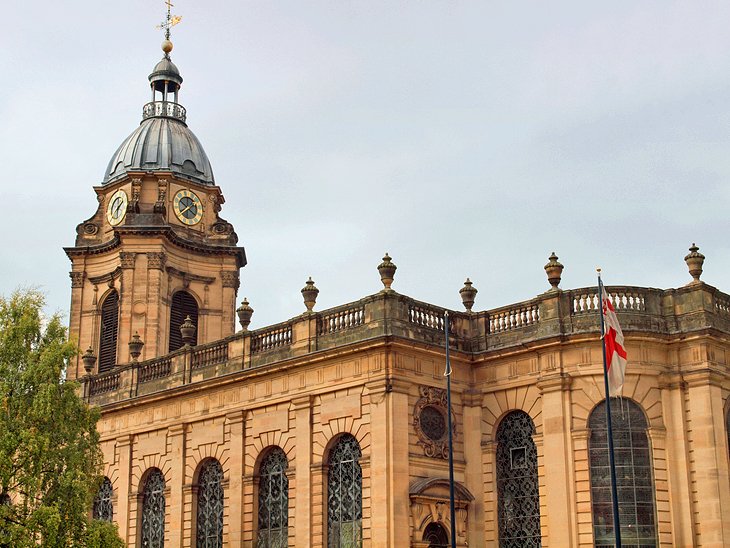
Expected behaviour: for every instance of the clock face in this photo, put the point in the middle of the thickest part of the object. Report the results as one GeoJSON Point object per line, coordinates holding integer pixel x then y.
{"type": "Point", "coordinates": [188, 207]}
{"type": "Point", "coordinates": [117, 207]}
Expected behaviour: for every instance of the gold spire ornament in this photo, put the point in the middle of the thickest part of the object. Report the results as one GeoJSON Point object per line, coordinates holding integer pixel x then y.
{"type": "Point", "coordinates": [169, 22]}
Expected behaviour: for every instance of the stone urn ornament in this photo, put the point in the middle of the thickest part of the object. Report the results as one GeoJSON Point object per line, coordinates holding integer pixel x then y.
{"type": "Point", "coordinates": [387, 272]}
{"type": "Point", "coordinates": [244, 314]}
{"type": "Point", "coordinates": [695, 260]}
{"type": "Point", "coordinates": [135, 347]}
{"type": "Point", "coordinates": [468, 293]}
{"type": "Point", "coordinates": [89, 359]}
{"type": "Point", "coordinates": [554, 271]}
{"type": "Point", "coordinates": [310, 292]}
{"type": "Point", "coordinates": [187, 330]}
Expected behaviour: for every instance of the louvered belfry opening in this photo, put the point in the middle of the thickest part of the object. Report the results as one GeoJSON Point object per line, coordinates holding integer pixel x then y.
{"type": "Point", "coordinates": [109, 329]}
{"type": "Point", "coordinates": [183, 305]}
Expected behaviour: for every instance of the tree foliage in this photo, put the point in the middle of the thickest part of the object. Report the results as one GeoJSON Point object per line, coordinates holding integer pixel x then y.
{"type": "Point", "coordinates": [49, 447]}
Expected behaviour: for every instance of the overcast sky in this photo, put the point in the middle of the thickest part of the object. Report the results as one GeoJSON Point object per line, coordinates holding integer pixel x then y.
{"type": "Point", "coordinates": [464, 138]}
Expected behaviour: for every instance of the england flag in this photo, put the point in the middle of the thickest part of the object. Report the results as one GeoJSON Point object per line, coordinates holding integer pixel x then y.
{"type": "Point", "coordinates": [613, 339]}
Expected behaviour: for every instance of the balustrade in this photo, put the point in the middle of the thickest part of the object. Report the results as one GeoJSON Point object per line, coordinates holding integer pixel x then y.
{"type": "Point", "coordinates": [210, 355]}
{"type": "Point", "coordinates": [103, 383]}
{"type": "Point", "coordinates": [271, 338]}
{"type": "Point", "coordinates": [155, 369]}
{"type": "Point", "coordinates": [623, 299]}
{"type": "Point", "coordinates": [426, 316]}
{"type": "Point", "coordinates": [339, 320]}
{"type": "Point", "coordinates": [513, 318]}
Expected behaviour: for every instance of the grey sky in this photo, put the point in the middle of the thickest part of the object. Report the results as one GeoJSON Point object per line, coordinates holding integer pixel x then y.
{"type": "Point", "coordinates": [464, 138]}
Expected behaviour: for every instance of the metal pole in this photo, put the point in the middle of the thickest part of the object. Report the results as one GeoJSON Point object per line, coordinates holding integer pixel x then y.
{"type": "Point", "coordinates": [614, 490]}
{"type": "Point", "coordinates": [451, 440]}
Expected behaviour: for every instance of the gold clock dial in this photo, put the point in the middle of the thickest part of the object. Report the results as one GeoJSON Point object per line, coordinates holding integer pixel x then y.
{"type": "Point", "coordinates": [188, 207]}
{"type": "Point", "coordinates": [117, 207]}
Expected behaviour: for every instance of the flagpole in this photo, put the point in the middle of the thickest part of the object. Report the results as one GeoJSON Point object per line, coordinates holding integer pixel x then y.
{"type": "Point", "coordinates": [612, 464]}
{"type": "Point", "coordinates": [447, 374]}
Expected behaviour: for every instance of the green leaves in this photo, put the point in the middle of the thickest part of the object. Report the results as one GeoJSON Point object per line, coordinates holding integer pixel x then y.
{"type": "Point", "coordinates": [49, 447]}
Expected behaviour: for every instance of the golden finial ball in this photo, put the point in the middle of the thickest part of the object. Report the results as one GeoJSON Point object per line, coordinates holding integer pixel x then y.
{"type": "Point", "coordinates": [166, 46]}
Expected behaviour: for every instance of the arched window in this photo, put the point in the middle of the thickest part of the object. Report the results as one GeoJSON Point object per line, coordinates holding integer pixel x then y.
{"type": "Point", "coordinates": [183, 305]}
{"type": "Point", "coordinates": [108, 334]}
{"type": "Point", "coordinates": [344, 495]}
{"type": "Point", "coordinates": [634, 478]}
{"type": "Point", "coordinates": [103, 509]}
{"type": "Point", "coordinates": [210, 505]}
{"type": "Point", "coordinates": [153, 510]}
{"type": "Point", "coordinates": [518, 496]}
{"type": "Point", "coordinates": [436, 536]}
{"type": "Point", "coordinates": [273, 500]}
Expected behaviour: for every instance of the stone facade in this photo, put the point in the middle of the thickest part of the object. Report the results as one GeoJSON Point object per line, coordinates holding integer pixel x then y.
{"type": "Point", "coordinates": [351, 400]}
{"type": "Point", "coordinates": [367, 367]}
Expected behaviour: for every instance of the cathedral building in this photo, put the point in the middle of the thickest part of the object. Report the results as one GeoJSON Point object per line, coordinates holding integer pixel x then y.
{"type": "Point", "coordinates": [329, 428]}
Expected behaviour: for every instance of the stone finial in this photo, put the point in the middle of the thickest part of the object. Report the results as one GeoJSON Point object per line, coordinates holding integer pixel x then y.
{"type": "Point", "coordinates": [187, 331]}
{"type": "Point", "coordinates": [310, 292]}
{"type": "Point", "coordinates": [89, 359]}
{"type": "Point", "coordinates": [694, 260]}
{"type": "Point", "coordinates": [554, 270]}
{"type": "Point", "coordinates": [244, 314]}
{"type": "Point", "coordinates": [387, 271]}
{"type": "Point", "coordinates": [135, 347]}
{"type": "Point", "coordinates": [468, 292]}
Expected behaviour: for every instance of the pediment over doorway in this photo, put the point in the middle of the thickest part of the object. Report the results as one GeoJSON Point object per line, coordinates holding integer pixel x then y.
{"type": "Point", "coordinates": [430, 505]}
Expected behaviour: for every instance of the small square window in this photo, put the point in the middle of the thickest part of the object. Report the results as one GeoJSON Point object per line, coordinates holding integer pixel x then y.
{"type": "Point", "coordinates": [518, 457]}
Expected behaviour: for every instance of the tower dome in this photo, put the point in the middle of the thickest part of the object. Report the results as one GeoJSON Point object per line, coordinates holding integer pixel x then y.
{"type": "Point", "coordinates": [163, 141]}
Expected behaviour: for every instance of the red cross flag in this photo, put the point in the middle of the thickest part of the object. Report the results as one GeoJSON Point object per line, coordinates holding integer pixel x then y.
{"type": "Point", "coordinates": [613, 339]}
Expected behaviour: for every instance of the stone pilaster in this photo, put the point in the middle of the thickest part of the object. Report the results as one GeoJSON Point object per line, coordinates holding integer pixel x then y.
{"type": "Point", "coordinates": [123, 487]}
{"type": "Point", "coordinates": [233, 534]}
{"type": "Point", "coordinates": [680, 501]}
{"type": "Point", "coordinates": [176, 444]}
{"type": "Point", "coordinates": [400, 416]}
{"type": "Point", "coordinates": [559, 474]}
{"type": "Point", "coordinates": [473, 456]}
{"type": "Point", "coordinates": [381, 463]}
{"type": "Point", "coordinates": [303, 492]}
{"type": "Point", "coordinates": [710, 467]}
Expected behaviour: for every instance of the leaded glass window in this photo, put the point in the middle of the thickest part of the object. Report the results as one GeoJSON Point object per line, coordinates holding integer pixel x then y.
{"type": "Point", "coordinates": [153, 510]}
{"type": "Point", "coordinates": [103, 509]}
{"type": "Point", "coordinates": [210, 505]}
{"type": "Point", "coordinates": [344, 495]}
{"type": "Point", "coordinates": [518, 496]}
{"type": "Point", "coordinates": [634, 478]}
{"type": "Point", "coordinates": [273, 501]}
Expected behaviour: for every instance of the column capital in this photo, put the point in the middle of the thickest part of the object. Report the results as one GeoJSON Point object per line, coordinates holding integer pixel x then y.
{"type": "Point", "coordinates": [176, 429]}
{"type": "Point", "coordinates": [554, 382]}
{"type": "Point", "coordinates": [703, 377]}
{"type": "Point", "coordinates": [124, 441]}
{"type": "Point", "coordinates": [301, 402]}
{"type": "Point", "coordinates": [235, 417]}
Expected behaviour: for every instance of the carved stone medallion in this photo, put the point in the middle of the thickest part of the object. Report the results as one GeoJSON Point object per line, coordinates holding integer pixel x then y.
{"type": "Point", "coordinates": [430, 421]}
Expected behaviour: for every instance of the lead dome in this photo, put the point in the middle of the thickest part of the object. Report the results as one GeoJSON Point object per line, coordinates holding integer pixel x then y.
{"type": "Point", "coordinates": [163, 141]}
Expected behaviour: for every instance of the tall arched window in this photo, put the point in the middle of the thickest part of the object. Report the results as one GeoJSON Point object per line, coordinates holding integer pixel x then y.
{"type": "Point", "coordinates": [210, 505]}
{"type": "Point", "coordinates": [103, 508]}
{"type": "Point", "coordinates": [183, 305]}
{"type": "Point", "coordinates": [634, 477]}
{"type": "Point", "coordinates": [344, 495]}
{"type": "Point", "coordinates": [518, 496]}
{"type": "Point", "coordinates": [153, 510]}
{"type": "Point", "coordinates": [108, 333]}
{"type": "Point", "coordinates": [273, 500]}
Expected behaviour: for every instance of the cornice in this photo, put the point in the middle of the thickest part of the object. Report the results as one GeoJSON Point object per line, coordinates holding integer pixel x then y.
{"type": "Point", "coordinates": [165, 231]}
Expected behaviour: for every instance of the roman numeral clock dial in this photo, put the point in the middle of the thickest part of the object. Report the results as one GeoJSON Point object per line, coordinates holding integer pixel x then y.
{"type": "Point", "coordinates": [188, 207]}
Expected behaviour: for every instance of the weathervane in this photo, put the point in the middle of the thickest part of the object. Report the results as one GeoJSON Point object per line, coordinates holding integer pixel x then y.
{"type": "Point", "coordinates": [170, 21]}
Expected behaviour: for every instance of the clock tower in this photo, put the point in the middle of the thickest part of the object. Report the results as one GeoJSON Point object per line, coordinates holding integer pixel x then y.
{"type": "Point", "coordinates": [156, 251]}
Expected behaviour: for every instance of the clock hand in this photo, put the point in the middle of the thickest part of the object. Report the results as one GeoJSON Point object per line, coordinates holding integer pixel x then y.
{"type": "Point", "coordinates": [184, 210]}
